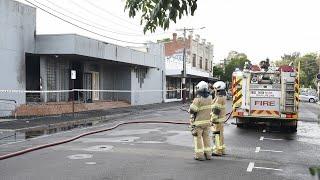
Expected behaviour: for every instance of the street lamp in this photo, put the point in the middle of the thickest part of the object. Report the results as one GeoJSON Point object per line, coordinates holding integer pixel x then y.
{"type": "Point", "coordinates": [184, 73]}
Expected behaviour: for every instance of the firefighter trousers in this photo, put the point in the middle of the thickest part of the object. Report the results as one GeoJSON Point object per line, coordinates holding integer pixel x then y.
{"type": "Point", "coordinates": [202, 143]}
{"type": "Point", "coordinates": [218, 139]}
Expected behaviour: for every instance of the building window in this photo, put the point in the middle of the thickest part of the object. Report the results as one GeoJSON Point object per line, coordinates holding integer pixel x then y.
{"type": "Point", "coordinates": [200, 63]}
{"type": "Point", "coordinates": [194, 61]}
{"type": "Point", "coordinates": [206, 65]}
{"type": "Point", "coordinates": [173, 88]}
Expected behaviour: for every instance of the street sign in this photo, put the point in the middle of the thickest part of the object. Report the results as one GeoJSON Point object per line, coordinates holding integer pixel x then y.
{"type": "Point", "coordinates": [318, 77]}
{"type": "Point", "coordinates": [73, 74]}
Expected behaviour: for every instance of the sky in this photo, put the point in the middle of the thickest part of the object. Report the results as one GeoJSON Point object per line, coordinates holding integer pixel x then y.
{"type": "Point", "coordinates": [259, 28]}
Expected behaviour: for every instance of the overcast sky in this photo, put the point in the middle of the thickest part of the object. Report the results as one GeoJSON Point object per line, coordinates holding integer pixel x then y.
{"type": "Point", "coordinates": [259, 28]}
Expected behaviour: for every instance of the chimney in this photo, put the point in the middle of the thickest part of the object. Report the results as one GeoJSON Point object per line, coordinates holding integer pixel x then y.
{"type": "Point", "coordinates": [174, 35]}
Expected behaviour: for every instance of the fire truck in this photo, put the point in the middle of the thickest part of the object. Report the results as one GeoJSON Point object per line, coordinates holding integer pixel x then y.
{"type": "Point", "coordinates": [266, 94]}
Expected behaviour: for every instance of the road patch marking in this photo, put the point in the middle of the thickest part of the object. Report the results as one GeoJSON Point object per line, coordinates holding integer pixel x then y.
{"type": "Point", "coordinates": [99, 148]}
{"type": "Point", "coordinates": [258, 149]}
{"type": "Point", "coordinates": [251, 167]}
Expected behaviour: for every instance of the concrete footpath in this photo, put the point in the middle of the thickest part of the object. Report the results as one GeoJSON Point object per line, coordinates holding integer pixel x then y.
{"type": "Point", "coordinates": [70, 121]}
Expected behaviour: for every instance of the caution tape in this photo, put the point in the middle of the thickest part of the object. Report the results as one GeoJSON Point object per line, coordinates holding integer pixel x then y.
{"type": "Point", "coordinates": [86, 90]}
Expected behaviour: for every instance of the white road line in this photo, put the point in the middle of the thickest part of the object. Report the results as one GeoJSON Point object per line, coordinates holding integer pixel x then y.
{"type": "Point", "coordinates": [274, 139]}
{"type": "Point", "coordinates": [268, 168]}
{"type": "Point", "coordinates": [266, 150]}
{"type": "Point", "coordinates": [264, 138]}
{"type": "Point", "coordinates": [251, 167]}
{"type": "Point", "coordinates": [258, 149]}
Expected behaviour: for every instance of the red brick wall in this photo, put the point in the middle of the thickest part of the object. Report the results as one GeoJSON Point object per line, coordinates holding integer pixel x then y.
{"type": "Point", "coordinates": [65, 107]}
{"type": "Point", "coordinates": [176, 44]}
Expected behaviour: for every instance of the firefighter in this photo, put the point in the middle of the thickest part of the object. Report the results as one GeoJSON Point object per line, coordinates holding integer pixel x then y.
{"type": "Point", "coordinates": [211, 90]}
{"type": "Point", "coordinates": [218, 118]}
{"type": "Point", "coordinates": [200, 110]}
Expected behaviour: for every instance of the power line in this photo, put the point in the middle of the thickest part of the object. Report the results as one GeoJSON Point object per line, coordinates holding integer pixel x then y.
{"type": "Point", "coordinates": [76, 15]}
{"type": "Point", "coordinates": [80, 27]}
{"type": "Point", "coordinates": [97, 15]}
{"type": "Point", "coordinates": [97, 27]}
{"type": "Point", "coordinates": [80, 17]}
{"type": "Point", "coordinates": [109, 13]}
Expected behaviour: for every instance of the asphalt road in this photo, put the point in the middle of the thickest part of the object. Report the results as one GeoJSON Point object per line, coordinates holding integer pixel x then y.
{"type": "Point", "coordinates": [160, 151]}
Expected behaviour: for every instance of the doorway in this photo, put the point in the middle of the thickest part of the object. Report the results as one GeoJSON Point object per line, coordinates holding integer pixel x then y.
{"type": "Point", "coordinates": [33, 81]}
{"type": "Point", "coordinates": [91, 82]}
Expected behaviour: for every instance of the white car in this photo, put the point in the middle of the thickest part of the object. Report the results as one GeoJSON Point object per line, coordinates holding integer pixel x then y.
{"type": "Point", "coordinates": [308, 98]}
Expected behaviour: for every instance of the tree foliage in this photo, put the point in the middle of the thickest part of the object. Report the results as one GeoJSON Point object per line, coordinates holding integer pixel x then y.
{"type": "Point", "coordinates": [217, 72]}
{"type": "Point", "coordinates": [236, 62]}
{"type": "Point", "coordinates": [159, 13]}
{"type": "Point", "coordinates": [309, 66]}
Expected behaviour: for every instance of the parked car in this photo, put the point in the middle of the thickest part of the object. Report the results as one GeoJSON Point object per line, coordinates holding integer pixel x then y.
{"type": "Point", "coordinates": [308, 98]}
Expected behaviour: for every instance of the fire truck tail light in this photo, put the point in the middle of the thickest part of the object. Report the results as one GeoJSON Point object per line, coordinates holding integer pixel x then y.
{"type": "Point", "coordinates": [289, 115]}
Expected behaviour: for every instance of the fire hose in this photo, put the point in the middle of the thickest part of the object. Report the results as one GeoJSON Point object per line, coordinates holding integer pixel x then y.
{"type": "Point", "coordinates": [18, 153]}
{"type": "Point", "coordinates": [21, 152]}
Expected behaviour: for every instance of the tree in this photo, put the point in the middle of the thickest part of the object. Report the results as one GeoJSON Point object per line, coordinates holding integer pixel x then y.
{"type": "Point", "coordinates": [159, 13]}
{"type": "Point", "coordinates": [309, 70]}
{"type": "Point", "coordinates": [286, 59]}
{"type": "Point", "coordinates": [309, 66]}
{"type": "Point", "coordinates": [217, 72]}
{"type": "Point", "coordinates": [236, 62]}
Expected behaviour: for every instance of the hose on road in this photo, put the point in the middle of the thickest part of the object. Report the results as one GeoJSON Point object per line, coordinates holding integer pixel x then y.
{"type": "Point", "coordinates": [18, 153]}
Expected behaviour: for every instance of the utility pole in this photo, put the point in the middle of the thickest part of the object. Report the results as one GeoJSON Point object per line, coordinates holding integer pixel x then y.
{"type": "Point", "coordinates": [184, 71]}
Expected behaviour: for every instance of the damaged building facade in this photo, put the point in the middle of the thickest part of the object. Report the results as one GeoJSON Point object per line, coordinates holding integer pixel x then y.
{"type": "Point", "coordinates": [42, 64]}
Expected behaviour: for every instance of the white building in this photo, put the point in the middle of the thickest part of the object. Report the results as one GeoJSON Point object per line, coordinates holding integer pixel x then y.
{"type": "Point", "coordinates": [44, 63]}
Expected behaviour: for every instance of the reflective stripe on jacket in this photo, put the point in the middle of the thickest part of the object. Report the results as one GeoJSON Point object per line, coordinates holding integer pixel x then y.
{"type": "Point", "coordinates": [218, 113]}
{"type": "Point", "coordinates": [202, 107]}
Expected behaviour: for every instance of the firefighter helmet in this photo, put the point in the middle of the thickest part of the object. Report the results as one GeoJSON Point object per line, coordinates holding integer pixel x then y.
{"type": "Point", "coordinates": [219, 85]}
{"type": "Point", "coordinates": [202, 86]}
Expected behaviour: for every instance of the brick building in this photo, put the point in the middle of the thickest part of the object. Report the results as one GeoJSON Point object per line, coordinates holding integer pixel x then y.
{"type": "Point", "coordinates": [199, 56]}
